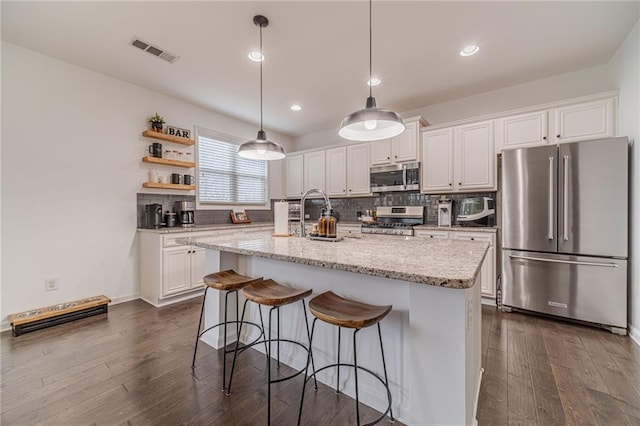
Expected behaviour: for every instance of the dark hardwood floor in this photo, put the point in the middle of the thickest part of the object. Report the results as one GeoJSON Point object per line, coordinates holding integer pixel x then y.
{"type": "Point", "coordinates": [133, 367]}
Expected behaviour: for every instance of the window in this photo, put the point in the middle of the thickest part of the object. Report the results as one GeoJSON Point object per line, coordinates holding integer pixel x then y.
{"type": "Point", "coordinates": [226, 178]}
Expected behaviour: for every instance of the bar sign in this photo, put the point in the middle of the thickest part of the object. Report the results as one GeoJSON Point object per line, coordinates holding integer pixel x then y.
{"type": "Point", "coordinates": [558, 305]}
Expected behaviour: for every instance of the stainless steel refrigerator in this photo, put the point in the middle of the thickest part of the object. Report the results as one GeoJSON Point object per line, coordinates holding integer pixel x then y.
{"type": "Point", "coordinates": [565, 230]}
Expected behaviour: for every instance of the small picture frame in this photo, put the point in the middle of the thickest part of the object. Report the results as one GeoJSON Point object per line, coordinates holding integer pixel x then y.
{"type": "Point", "coordinates": [240, 217]}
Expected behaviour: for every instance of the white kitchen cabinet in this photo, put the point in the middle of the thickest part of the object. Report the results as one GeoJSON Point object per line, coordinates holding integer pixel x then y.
{"type": "Point", "coordinates": [437, 161]}
{"type": "Point", "coordinates": [183, 269]}
{"type": "Point", "coordinates": [521, 131]}
{"type": "Point", "coordinates": [294, 176]}
{"type": "Point", "coordinates": [401, 148]}
{"type": "Point", "coordinates": [459, 159]}
{"type": "Point", "coordinates": [358, 170]}
{"type": "Point", "coordinates": [588, 120]}
{"type": "Point", "coordinates": [488, 272]}
{"type": "Point", "coordinates": [314, 170]}
{"type": "Point", "coordinates": [336, 171]}
{"type": "Point", "coordinates": [475, 157]}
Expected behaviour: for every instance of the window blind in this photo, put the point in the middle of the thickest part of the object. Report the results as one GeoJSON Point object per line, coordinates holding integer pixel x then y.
{"type": "Point", "coordinates": [226, 178]}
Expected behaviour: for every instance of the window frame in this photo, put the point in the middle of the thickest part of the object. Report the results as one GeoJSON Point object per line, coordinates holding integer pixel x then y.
{"type": "Point", "coordinates": [212, 205]}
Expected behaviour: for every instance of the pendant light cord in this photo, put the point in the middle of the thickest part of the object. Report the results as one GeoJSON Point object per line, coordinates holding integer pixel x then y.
{"type": "Point", "coordinates": [261, 61]}
{"type": "Point", "coordinates": [370, 52]}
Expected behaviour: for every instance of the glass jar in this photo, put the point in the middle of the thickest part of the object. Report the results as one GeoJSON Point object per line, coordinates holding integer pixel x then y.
{"type": "Point", "coordinates": [332, 225]}
{"type": "Point", "coordinates": [322, 224]}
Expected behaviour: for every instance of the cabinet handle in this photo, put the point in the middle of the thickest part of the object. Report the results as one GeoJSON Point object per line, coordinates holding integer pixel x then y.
{"type": "Point", "coordinates": [459, 183]}
{"type": "Point", "coordinates": [396, 156]}
{"type": "Point", "coordinates": [473, 239]}
{"type": "Point", "coordinates": [388, 158]}
{"type": "Point", "coordinates": [349, 190]}
{"type": "Point", "coordinates": [450, 184]}
{"type": "Point", "coordinates": [557, 136]}
{"type": "Point", "coordinates": [430, 236]}
{"type": "Point", "coordinates": [544, 138]}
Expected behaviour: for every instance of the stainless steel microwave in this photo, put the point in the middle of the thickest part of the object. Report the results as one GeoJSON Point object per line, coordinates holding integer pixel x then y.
{"type": "Point", "coordinates": [395, 177]}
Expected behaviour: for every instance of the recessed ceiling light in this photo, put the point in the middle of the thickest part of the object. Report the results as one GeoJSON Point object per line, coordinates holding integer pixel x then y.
{"type": "Point", "coordinates": [295, 107]}
{"type": "Point", "coordinates": [256, 56]}
{"type": "Point", "coordinates": [469, 50]}
{"type": "Point", "coordinates": [373, 82]}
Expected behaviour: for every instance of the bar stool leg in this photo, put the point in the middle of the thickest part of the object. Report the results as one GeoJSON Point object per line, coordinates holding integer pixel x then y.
{"type": "Point", "coordinates": [338, 380]}
{"type": "Point", "coordinates": [384, 368]}
{"type": "Point", "coordinates": [355, 374]}
{"type": "Point", "coordinates": [224, 346]}
{"type": "Point", "coordinates": [306, 370]}
{"type": "Point", "coordinates": [269, 370]}
{"type": "Point", "coordinates": [193, 363]}
{"type": "Point", "coordinates": [235, 352]}
{"type": "Point", "coordinates": [278, 349]}
{"type": "Point", "coordinates": [310, 354]}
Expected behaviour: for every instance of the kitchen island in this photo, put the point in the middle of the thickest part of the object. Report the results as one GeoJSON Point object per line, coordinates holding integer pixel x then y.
{"type": "Point", "coordinates": [431, 337]}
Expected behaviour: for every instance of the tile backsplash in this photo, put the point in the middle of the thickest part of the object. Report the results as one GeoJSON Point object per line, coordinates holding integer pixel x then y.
{"type": "Point", "coordinates": [345, 208]}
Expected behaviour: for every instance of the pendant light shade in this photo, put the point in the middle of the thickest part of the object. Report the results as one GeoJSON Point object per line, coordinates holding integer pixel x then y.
{"type": "Point", "coordinates": [371, 123]}
{"type": "Point", "coordinates": [261, 148]}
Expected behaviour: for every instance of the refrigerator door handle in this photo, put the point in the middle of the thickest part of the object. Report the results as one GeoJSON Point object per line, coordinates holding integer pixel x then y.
{"type": "Point", "coordinates": [565, 198]}
{"type": "Point", "coordinates": [551, 197]}
{"type": "Point", "coordinates": [570, 262]}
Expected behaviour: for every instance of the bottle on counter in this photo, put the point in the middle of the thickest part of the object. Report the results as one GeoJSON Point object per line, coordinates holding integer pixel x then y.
{"type": "Point", "coordinates": [314, 231]}
{"type": "Point", "coordinates": [322, 224]}
{"type": "Point", "coordinates": [332, 225]}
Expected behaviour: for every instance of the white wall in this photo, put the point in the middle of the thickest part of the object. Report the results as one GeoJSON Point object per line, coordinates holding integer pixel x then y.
{"type": "Point", "coordinates": [72, 145]}
{"type": "Point", "coordinates": [557, 88]}
{"type": "Point", "coordinates": [625, 67]}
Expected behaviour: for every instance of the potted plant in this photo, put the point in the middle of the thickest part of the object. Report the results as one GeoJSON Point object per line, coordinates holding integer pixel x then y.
{"type": "Point", "coordinates": [156, 122]}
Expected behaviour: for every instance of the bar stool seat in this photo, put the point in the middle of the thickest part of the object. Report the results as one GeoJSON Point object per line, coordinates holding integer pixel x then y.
{"type": "Point", "coordinates": [341, 312]}
{"type": "Point", "coordinates": [270, 293]}
{"type": "Point", "coordinates": [230, 282]}
{"type": "Point", "coordinates": [336, 310]}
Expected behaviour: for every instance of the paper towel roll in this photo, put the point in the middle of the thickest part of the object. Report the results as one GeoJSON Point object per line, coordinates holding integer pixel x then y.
{"type": "Point", "coordinates": [281, 217]}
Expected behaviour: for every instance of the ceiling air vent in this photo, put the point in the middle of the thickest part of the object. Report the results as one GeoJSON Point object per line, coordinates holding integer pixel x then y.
{"type": "Point", "coordinates": [154, 50]}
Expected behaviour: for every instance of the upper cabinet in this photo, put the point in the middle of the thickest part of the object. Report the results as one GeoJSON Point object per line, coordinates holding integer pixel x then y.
{"type": "Point", "coordinates": [336, 171]}
{"type": "Point", "coordinates": [314, 170]}
{"type": "Point", "coordinates": [347, 170]}
{"type": "Point", "coordinates": [401, 148]}
{"type": "Point", "coordinates": [589, 120]}
{"type": "Point", "coordinates": [293, 176]}
{"type": "Point", "coordinates": [459, 158]}
{"type": "Point", "coordinates": [572, 123]}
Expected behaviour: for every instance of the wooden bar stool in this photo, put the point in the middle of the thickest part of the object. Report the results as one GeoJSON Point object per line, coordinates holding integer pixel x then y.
{"type": "Point", "coordinates": [270, 293]}
{"type": "Point", "coordinates": [341, 312]}
{"type": "Point", "coordinates": [230, 282]}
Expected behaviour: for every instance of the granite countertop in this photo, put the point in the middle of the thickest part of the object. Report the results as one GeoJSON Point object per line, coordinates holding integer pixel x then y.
{"type": "Point", "coordinates": [445, 263]}
{"type": "Point", "coordinates": [197, 228]}
{"type": "Point", "coordinates": [457, 228]}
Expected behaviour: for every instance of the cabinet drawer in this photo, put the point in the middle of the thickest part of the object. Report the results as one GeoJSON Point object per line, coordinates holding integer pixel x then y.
{"type": "Point", "coordinates": [443, 235]}
{"type": "Point", "coordinates": [475, 236]}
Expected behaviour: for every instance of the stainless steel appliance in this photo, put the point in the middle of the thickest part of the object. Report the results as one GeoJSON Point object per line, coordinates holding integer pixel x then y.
{"type": "Point", "coordinates": [395, 220]}
{"type": "Point", "coordinates": [185, 211]}
{"type": "Point", "coordinates": [396, 177]}
{"type": "Point", "coordinates": [153, 216]}
{"type": "Point", "coordinates": [445, 208]}
{"type": "Point", "coordinates": [565, 230]}
{"type": "Point", "coordinates": [477, 211]}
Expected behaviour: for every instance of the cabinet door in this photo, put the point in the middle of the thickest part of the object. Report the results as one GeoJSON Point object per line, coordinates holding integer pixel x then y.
{"type": "Point", "coordinates": [589, 120]}
{"type": "Point", "coordinates": [314, 170]}
{"type": "Point", "coordinates": [521, 131]}
{"type": "Point", "coordinates": [358, 169]}
{"type": "Point", "coordinates": [488, 271]}
{"type": "Point", "coordinates": [336, 171]}
{"type": "Point", "coordinates": [293, 172]}
{"type": "Point", "coordinates": [380, 152]}
{"type": "Point", "coordinates": [475, 157]}
{"type": "Point", "coordinates": [404, 147]}
{"type": "Point", "coordinates": [176, 270]}
{"type": "Point", "coordinates": [437, 161]}
{"type": "Point", "coordinates": [197, 267]}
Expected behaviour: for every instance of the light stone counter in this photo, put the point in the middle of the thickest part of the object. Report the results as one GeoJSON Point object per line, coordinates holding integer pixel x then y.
{"type": "Point", "coordinates": [444, 263]}
{"type": "Point", "coordinates": [457, 228]}
{"type": "Point", "coordinates": [198, 228]}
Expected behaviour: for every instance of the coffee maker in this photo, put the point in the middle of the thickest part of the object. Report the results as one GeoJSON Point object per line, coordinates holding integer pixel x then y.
{"type": "Point", "coordinates": [445, 208]}
{"type": "Point", "coordinates": [153, 216]}
{"type": "Point", "coordinates": [185, 211]}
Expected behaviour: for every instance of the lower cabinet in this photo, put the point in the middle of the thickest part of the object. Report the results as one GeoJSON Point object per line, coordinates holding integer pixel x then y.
{"type": "Point", "coordinates": [182, 269]}
{"type": "Point", "coordinates": [488, 272]}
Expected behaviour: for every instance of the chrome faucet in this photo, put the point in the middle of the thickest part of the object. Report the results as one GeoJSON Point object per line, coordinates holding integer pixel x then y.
{"type": "Point", "coordinates": [327, 204]}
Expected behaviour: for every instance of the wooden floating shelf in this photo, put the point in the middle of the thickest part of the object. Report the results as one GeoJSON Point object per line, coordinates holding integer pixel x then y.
{"type": "Point", "coordinates": [168, 186]}
{"type": "Point", "coordinates": [167, 138]}
{"type": "Point", "coordinates": [167, 162]}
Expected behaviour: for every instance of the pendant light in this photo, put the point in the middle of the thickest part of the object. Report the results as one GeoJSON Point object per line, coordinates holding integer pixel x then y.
{"type": "Point", "coordinates": [261, 148]}
{"type": "Point", "coordinates": [371, 123]}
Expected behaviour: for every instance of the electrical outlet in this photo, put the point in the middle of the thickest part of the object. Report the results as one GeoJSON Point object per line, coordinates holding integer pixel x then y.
{"type": "Point", "coordinates": [50, 284]}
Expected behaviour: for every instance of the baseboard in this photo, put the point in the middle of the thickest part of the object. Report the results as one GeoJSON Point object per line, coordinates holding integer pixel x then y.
{"type": "Point", "coordinates": [634, 333]}
{"type": "Point", "coordinates": [122, 299]}
{"type": "Point", "coordinates": [488, 301]}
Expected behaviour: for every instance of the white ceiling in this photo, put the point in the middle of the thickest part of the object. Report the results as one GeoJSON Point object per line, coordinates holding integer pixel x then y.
{"type": "Point", "coordinates": [317, 52]}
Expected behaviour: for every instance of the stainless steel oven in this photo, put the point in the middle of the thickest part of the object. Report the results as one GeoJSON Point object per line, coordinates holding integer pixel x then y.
{"type": "Point", "coordinates": [395, 177]}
